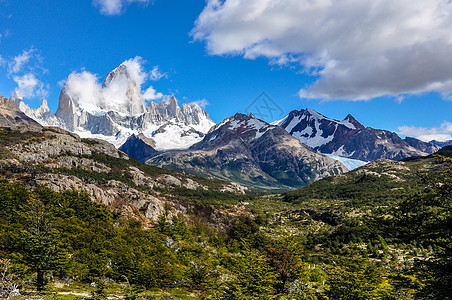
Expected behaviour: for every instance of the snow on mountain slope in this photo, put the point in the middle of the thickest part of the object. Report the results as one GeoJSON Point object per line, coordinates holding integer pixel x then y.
{"type": "Point", "coordinates": [349, 138]}
{"type": "Point", "coordinates": [351, 164]}
{"type": "Point", "coordinates": [252, 152]}
{"type": "Point", "coordinates": [116, 110]}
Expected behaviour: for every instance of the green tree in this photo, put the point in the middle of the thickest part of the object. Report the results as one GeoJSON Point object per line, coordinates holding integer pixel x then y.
{"type": "Point", "coordinates": [357, 279]}
{"type": "Point", "coordinates": [39, 241]}
{"type": "Point", "coordinates": [427, 218]}
{"type": "Point", "coordinates": [253, 278]}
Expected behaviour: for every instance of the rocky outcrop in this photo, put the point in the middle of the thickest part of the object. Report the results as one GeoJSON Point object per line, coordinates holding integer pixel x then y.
{"type": "Point", "coordinates": [349, 138]}
{"type": "Point", "coordinates": [139, 147]}
{"type": "Point", "coordinates": [63, 161]}
{"type": "Point", "coordinates": [252, 152]}
{"type": "Point", "coordinates": [42, 112]}
{"type": "Point", "coordinates": [11, 116]}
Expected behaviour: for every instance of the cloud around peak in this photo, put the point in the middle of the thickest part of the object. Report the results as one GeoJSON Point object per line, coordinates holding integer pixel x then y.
{"type": "Point", "coordinates": [118, 90]}
{"type": "Point", "coordinates": [356, 49]}
{"type": "Point", "coordinates": [203, 103]}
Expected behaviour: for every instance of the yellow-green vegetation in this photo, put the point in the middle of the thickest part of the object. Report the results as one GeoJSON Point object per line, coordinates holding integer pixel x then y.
{"type": "Point", "coordinates": [380, 232]}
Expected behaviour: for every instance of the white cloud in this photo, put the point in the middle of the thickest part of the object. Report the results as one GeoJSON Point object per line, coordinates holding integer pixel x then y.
{"type": "Point", "coordinates": [358, 49]}
{"type": "Point", "coordinates": [24, 69]}
{"type": "Point", "coordinates": [28, 86]}
{"type": "Point", "coordinates": [441, 134]}
{"type": "Point", "coordinates": [19, 61]}
{"type": "Point", "coordinates": [115, 7]}
{"type": "Point", "coordinates": [136, 70]}
{"type": "Point", "coordinates": [115, 93]}
{"type": "Point", "coordinates": [85, 87]}
{"type": "Point", "coordinates": [155, 74]}
{"type": "Point", "coordinates": [201, 103]}
{"type": "Point", "coordinates": [151, 94]}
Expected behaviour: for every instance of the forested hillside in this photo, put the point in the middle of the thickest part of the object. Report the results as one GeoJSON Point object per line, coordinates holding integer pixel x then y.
{"type": "Point", "coordinates": [380, 232]}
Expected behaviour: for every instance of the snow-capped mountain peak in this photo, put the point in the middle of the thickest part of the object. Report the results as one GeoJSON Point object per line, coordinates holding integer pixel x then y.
{"type": "Point", "coordinates": [121, 92]}
{"type": "Point", "coordinates": [116, 110]}
{"type": "Point", "coordinates": [238, 127]}
{"type": "Point", "coordinates": [349, 138]}
{"type": "Point", "coordinates": [352, 123]}
{"type": "Point", "coordinates": [246, 149]}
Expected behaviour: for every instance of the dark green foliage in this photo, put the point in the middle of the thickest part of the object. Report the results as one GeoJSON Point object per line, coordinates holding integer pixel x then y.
{"type": "Point", "coordinates": [357, 279]}
{"type": "Point", "coordinates": [427, 218]}
{"type": "Point", "coordinates": [99, 292]}
{"type": "Point", "coordinates": [354, 190]}
{"type": "Point", "coordinates": [252, 278]}
{"type": "Point", "coordinates": [380, 242]}
{"type": "Point", "coordinates": [9, 136]}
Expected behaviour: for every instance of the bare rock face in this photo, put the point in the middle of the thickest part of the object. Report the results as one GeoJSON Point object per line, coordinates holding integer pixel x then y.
{"type": "Point", "coordinates": [252, 152]}
{"type": "Point", "coordinates": [121, 76]}
{"type": "Point", "coordinates": [139, 147]}
{"type": "Point", "coordinates": [117, 110]}
{"type": "Point", "coordinates": [170, 180]}
{"type": "Point", "coordinates": [11, 116]}
{"type": "Point", "coordinates": [68, 110]}
{"type": "Point", "coordinates": [349, 138]}
{"type": "Point", "coordinates": [63, 161]}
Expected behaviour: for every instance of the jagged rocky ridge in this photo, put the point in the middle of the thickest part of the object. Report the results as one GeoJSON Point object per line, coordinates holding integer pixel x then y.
{"type": "Point", "coordinates": [50, 156]}
{"type": "Point", "coordinates": [350, 139]}
{"type": "Point", "coordinates": [11, 116]}
{"type": "Point", "coordinates": [252, 152]}
{"type": "Point", "coordinates": [119, 111]}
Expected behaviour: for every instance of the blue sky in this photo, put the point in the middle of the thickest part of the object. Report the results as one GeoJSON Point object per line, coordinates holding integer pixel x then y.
{"type": "Point", "coordinates": [390, 68]}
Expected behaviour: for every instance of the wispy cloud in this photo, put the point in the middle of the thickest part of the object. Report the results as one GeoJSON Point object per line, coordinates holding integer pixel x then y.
{"type": "Point", "coordinates": [18, 62]}
{"type": "Point", "coordinates": [201, 103]}
{"type": "Point", "coordinates": [24, 69]}
{"type": "Point", "coordinates": [28, 86]}
{"type": "Point", "coordinates": [356, 49]}
{"type": "Point", "coordinates": [442, 133]}
{"type": "Point", "coordinates": [115, 7]}
{"type": "Point", "coordinates": [155, 74]}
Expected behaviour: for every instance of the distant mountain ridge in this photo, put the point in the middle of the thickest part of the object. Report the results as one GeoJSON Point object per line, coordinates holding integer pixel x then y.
{"type": "Point", "coordinates": [118, 111]}
{"type": "Point", "coordinates": [442, 144]}
{"type": "Point", "coordinates": [11, 116]}
{"type": "Point", "coordinates": [349, 138]}
{"type": "Point", "coordinates": [254, 153]}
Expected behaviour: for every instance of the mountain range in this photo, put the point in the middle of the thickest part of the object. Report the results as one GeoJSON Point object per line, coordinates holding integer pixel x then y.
{"type": "Point", "coordinates": [117, 110]}
{"type": "Point", "coordinates": [386, 213]}
{"type": "Point", "coordinates": [297, 150]}
{"type": "Point", "coordinates": [252, 152]}
{"type": "Point", "coordinates": [350, 139]}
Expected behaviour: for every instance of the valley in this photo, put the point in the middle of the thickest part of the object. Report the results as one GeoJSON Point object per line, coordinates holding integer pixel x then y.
{"type": "Point", "coordinates": [80, 219]}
